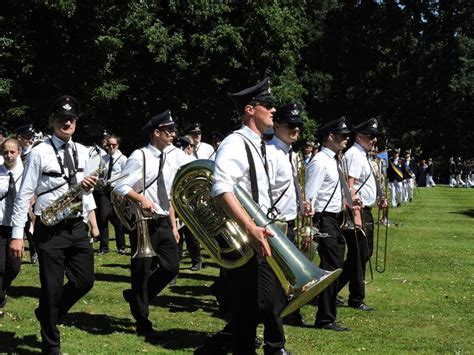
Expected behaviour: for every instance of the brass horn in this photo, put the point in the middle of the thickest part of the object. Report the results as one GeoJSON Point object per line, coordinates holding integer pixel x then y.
{"type": "Point", "coordinates": [132, 216]}
{"type": "Point", "coordinates": [228, 244]}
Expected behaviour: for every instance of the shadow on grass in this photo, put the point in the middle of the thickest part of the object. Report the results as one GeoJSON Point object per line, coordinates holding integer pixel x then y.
{"type": "Point", "coordinates": [468, 213]}
{"type": "Point", "coordinates": [100, 324]}
{"type": "Point", "coordinates": [196, 276]}
{"type": "Point", "coordinates": [24, 291]}
{"type": "Point", "coordinates": [112, 277]}
{"type": "Point", "coordinates": [10, 344]}
{"type": "Point", "coordinates": [178, 339]}
{"type": "Point", "coordinates": [175, 303]}
{"type": "Point", "coordinates": [120, 266]}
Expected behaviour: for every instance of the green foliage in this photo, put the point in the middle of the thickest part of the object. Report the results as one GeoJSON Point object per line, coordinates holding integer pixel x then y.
{"type": "Point", "coordinates": [411, 63]}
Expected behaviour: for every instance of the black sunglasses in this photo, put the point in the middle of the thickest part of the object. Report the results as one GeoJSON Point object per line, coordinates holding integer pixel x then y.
{"type": "Point", "coordinates": [266, 105]}
{"type": "Point", "coordinates": [293, 125]}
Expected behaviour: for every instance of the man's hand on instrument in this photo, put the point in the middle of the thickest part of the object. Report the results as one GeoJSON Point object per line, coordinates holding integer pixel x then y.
{"type": "Point", "coordinates": [308, 209]}
{"type": "Point", "coordinates": [383, 203]}
{"type": "Point", "coordinates": [357, 203]}
{"type": "Point", "coordinates": [258, 240]}
{"type": "Point", "coordinates": [17, 247]}
{"type": "Point", "coordinates": [146, 204]}
{"type": "Point", "coordinates": [88, 183]}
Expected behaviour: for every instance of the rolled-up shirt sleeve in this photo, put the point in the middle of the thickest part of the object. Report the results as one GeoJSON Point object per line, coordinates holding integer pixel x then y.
{"type": "Point", "coordinates": [231, 165]}
{"type": "Point", "coordinates": [31, 176]}
{"type": "Point", "coordinates": [314, 178]}
{"type": "Point", "coordinates": [131, 174]}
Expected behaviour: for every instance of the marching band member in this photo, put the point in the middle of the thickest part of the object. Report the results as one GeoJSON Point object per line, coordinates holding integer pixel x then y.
{"type": "Point", "coordinates": [324, 188]}
{"type": "Point", "coordinates": [285, 187]}
{"type": "Point", "coordinates": [395, 178]}
{"type": "Point", "coordinates": [162, 160]}
{"type": "Point", "coordinates": [64, 248]}
{"type": "Point", "coordinates": [202, 150]}
{"type": "Point", "coordinates": [365, 191]}
{"type": "Point", "coordinates": [257, 296]}
{"type": "Point", "coordinates": [10, 177]}
{"type": "Point", "coordinates": [114, 161]}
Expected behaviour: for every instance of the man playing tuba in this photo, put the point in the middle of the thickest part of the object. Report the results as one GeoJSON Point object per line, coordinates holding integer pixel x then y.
{"type": "Point", "coordinates": [241, 159]}
{"type": "Point", "coordinates": [149, 173]}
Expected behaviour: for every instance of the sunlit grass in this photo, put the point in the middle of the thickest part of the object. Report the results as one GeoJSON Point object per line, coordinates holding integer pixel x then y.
{"type": "Point", "coordinates": [424, 301]}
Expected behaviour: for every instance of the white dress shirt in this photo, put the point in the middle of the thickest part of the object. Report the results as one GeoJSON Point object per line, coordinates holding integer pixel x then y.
{"type": "Point", "coordinates": [42, 159]}
{"type": "Point", "coordinates": [174, 158]}
{"type": "Point", "coordinates": [359, 168]}
{"type": "Point", "coordinates": [281, 178]}
{"type": "Point", "coordinates": [204, 151]}
{"type": "Point", "coordinates": [232, 166]}
{"type": "Point", "coordinates": [321, 180]}
{"type": "Point", "coordinates": [118, 161]}
{"type": "Point", "coordinates": [4, 182]}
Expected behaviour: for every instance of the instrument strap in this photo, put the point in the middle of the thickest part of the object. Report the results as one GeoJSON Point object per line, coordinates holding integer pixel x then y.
{"type": "Point", "coordinates": [51, 190]}
{"type": "Point", "coordinates": [252, 172]}
{"type": "Point", "coordinates": [144, 172]}
{"type": "Point", "coordinates": [60, 161]}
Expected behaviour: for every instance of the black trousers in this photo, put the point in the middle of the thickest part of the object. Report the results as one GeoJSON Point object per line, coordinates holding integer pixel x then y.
{"type": "Point", "coordinates": [192, 244]}
{"type": "Point", "coordinates": [63, 249]}
{"type": "Point", "coordinates": [331, 252]}
{"type": "Point", "coordinates": [9, 266]}
{"type": "Point", "coordinates": [105, 213]}
{"type": "Point", "coordinates": [151, 275]}
{"type": "Point", "coordinates": [257, 297]}
{"type": "Point", "coordinates": [359, 250]}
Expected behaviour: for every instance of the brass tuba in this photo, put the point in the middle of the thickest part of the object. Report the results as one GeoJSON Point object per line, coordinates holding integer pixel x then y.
{"type": "Point", "coordinates": [228, 244]}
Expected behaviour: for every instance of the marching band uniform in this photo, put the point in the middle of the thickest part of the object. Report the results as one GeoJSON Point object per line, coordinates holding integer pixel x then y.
{"type": "Point", "coordinates": [285, 188]}
{"type": "Point", "coordinates": [395, 178]}
{"type": "Point", "coordinates": [429, 174]}
{"type": "Point", "coordinates": [257, 295]}
{"type": "Point", "coordinates": [10, 181]}
{"type": "Point", "coordinates": [202, 150]}
{"type": "Point", "coordinates": [151, 275]}
{"type": "Point", "coordinates": [323, 188]}
{"type": "Point", "coordinates": [113, 169]}
{"type": "Point", "coordinates": [409, 175]}
{"type": "Point", "coordinates": [360, 250]}
{"type": "Point", "coordinates": [64, 248]}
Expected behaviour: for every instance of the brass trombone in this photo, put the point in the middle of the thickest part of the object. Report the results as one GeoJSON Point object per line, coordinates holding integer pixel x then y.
{"type": "Point", "coordinates": [382, 218]}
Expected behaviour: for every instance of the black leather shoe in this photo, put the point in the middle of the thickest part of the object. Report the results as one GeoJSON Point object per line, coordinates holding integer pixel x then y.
{"type": "Point", "coordinates": [339, 301]}
{"type": "Point", "coordinates": [294, 319]}
{"type": "Point", "coordinates": [362, 307]}
{"type": "Point", "coordinates": [197, 267]}
{"type": "Point", "coordinates": [333, 326]}
{"type": "Point", "coordinates": [148, 333]}
{"type": "Point", "coordinates": [218, 344]}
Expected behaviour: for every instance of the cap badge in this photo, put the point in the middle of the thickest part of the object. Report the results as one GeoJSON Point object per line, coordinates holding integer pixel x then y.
{"type": "Point", "coordinates": [374, 125]}
{"type": "Point", "coordinates": [67, 107]}
{"type": "Point", "coordinates": [343, 125]}
{"type": "Point", "coordinates": [295, 112]}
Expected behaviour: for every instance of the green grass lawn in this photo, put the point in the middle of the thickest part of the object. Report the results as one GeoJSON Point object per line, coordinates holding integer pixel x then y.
{"type": "Point", "coordinates": [424, 301]}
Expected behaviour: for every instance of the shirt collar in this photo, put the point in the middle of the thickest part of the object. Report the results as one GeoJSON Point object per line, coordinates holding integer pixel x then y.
{"type": "Point", "coordinates": [155, 151]}
{"type": "Point", "coordinates": [254, 137]}
{"type": "Point", "coordinates": [280, 144]}
{"type": "Point", "coordinates": [328, 152]}
{"type": "Point", "coordinates": [361, 148]}
{"type": "Point", "coordinates": [58, 142]}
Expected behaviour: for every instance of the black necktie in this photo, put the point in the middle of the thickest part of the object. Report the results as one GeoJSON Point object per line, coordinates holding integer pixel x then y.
{"type": "Point", "coordinates": [71, 170]}
{"type": "Point", "coordinates": [111, 165]}
{"type": "Point", "coordinates": [263, 149]}
{"type": "Point", "coordinates": [162, 195]}
{"type": "Point", "coordinates": [11, 194]}
{"type": "Point", "coordinates": [299, 199]}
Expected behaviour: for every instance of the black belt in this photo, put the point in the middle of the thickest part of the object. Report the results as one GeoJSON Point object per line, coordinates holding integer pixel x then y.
{"type": "Point", "coordinates": [329, 214]}
{"type": "Point", "coordinates": [291, 223]}
{"type": "Point", "coordinates": [368, 208]}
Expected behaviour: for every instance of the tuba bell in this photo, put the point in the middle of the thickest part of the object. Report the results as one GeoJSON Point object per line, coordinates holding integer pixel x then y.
{"type": "Point", "coordinates": [228, 244]}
